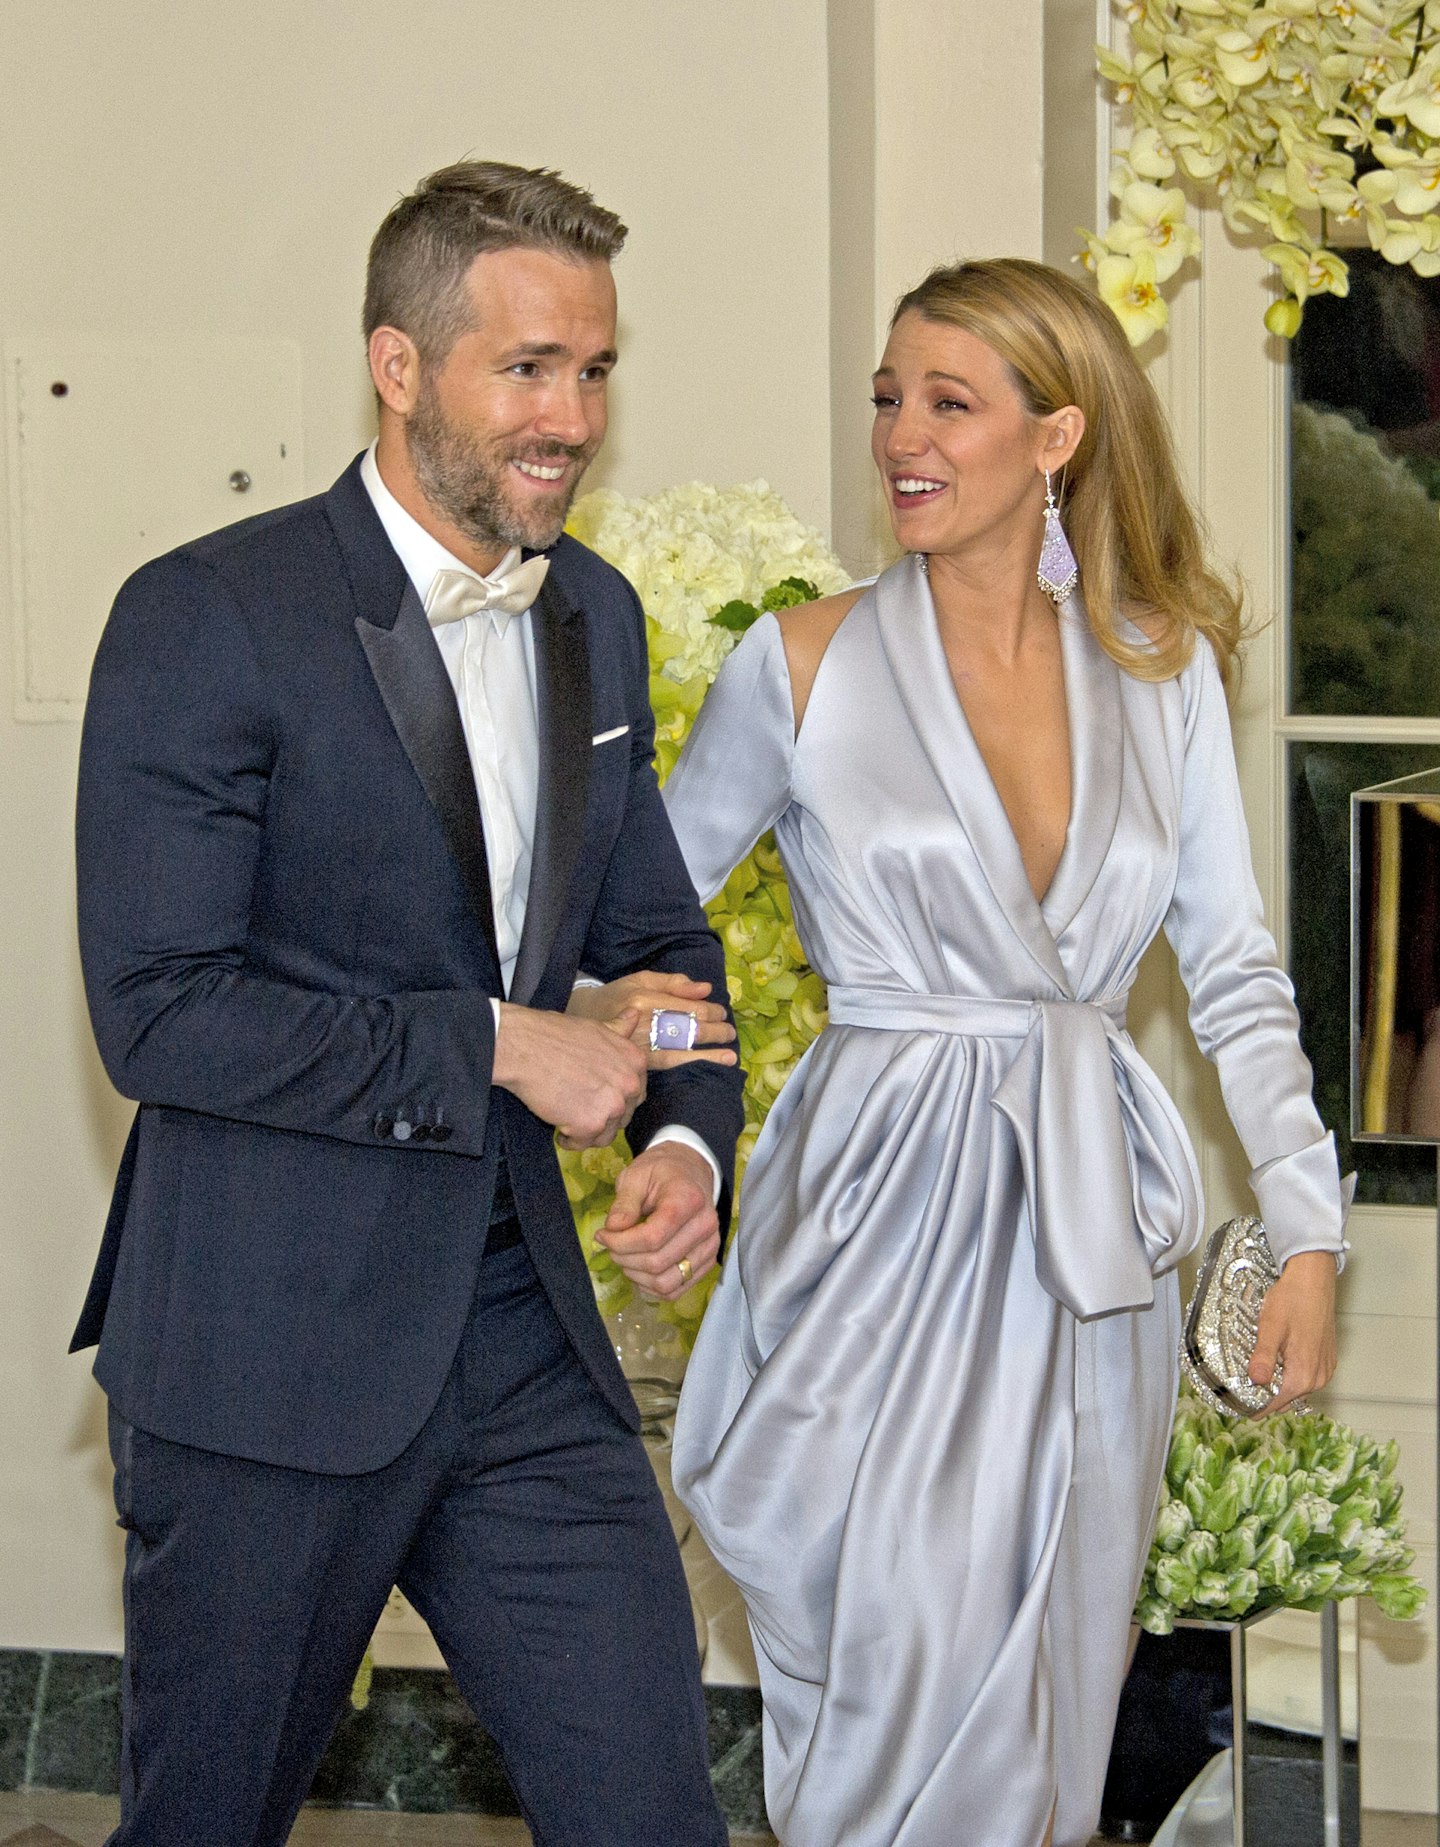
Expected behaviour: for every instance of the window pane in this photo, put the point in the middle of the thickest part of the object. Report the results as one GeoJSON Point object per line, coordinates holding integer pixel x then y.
{"type": "Point", "coordinates": [1365, 478]}
{"type": "Point", "coordinates": [1322, 777]}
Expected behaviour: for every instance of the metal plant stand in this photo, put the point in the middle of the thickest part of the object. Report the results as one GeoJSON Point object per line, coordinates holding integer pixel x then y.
{"type": "Point", "coordinates": [1237, 1630]}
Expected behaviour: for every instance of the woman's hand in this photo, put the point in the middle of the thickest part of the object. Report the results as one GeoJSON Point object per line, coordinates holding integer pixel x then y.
{"type": "Point", "coordinates": [1297, 1324]}
{"type": "Point", "coordinates": [642, 994]}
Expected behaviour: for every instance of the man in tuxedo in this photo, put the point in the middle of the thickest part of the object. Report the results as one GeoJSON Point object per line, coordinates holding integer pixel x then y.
{"type": "Point", "coordinates": [364, 782]}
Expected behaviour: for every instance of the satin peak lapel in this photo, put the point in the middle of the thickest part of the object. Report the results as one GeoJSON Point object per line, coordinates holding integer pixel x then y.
{"type": "Point", "coordinates": [418, 695]}
{"type": "Point", "coordinates": [562, 698]}
{"type": "Point", "coordinates": [1097, 764]}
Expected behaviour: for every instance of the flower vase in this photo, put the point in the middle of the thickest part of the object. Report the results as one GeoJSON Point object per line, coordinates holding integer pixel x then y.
{"type": "Point", "coordinates": [652, 1355]}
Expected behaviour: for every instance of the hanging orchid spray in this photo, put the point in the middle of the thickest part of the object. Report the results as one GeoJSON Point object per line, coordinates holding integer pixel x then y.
{"type": "Point", "coordinates": [1314, 123]}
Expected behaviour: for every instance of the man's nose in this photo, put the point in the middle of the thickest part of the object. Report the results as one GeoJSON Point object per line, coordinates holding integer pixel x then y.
{"type": "Point", "coordinates": [564, 415]}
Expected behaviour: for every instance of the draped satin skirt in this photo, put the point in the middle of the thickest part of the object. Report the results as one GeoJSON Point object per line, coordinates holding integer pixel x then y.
{"type": "Point", "coordinates": [933, 1483]}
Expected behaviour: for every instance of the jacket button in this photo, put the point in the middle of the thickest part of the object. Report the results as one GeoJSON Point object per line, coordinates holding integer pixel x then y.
{"type": "Point", "coordinates": [384, 1127]}
{"type": "Point", "coordinates": [441, 1132]}
{"type": "Point", "coordinates": [421, 1132]}
{"type": "Point", "coordinates": [402, 1130]}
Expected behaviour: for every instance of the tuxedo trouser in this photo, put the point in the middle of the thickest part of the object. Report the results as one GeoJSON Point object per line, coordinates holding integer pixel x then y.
{"type": "Point", "coordinates": [523, 1522]}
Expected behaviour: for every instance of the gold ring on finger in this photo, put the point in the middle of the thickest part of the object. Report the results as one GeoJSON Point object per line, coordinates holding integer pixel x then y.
{"type": "Point", "coordinates": [683, 1266]}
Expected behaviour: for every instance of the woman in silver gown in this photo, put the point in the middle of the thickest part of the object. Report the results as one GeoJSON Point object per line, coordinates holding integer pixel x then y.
{"type": "Point", "coordinates": [925, 1422]}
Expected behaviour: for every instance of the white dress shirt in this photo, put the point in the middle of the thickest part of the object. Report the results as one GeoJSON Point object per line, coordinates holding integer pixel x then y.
{"type": "Point", "coordinates": [490, 658]}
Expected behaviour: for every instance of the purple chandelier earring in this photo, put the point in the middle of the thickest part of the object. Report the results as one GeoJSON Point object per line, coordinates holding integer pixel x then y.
{"type": "Point", "coordinates": [1058, 573]}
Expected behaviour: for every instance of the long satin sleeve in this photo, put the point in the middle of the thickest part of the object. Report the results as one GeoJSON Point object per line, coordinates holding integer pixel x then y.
{"type": "Point", "coordinates": [1242, 1006]}
{"type": "Point", "coordinates": [733, 777]}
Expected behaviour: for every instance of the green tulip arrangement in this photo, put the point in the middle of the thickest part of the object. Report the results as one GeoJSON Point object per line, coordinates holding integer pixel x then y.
{"type": "Point", "coordinates": [1312, 121]}
{"type": "Point", "coordinates": [706, 563]}
{"type": "Point", "coordinates": [1292, 1510]}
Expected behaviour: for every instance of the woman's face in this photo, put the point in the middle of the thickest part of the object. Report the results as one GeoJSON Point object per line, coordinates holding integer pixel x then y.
{"type": "Point", "coordinates": [961, 458]}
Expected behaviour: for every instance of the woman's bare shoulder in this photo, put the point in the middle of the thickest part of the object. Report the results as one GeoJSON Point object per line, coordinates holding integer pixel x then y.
{"type": "Point", "coordinates": [807, 630]}
{"type": "Point", "coordinates": [810, 625]}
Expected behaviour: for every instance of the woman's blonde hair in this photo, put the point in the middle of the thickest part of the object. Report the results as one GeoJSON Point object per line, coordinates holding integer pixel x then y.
{"type": "Point", "coordinates": [1135, 535]}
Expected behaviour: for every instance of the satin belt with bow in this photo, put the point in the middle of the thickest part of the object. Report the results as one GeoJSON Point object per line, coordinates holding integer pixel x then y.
{"type": "Point", "coordinates": [1109, 1175]}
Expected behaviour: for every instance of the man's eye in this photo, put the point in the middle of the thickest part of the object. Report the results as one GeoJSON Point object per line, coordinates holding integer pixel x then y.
{"type": "Point", "coordinates": [526, 368]}
{"type": "Point", "coordinates": [595, 375]}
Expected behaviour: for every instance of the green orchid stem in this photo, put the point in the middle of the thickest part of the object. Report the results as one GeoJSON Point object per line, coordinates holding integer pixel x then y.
{"type": "Point", "coordinates": [1418, 20]}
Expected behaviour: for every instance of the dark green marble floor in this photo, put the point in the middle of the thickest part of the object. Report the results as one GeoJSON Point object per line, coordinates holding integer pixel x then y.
{"type": "Point", "coordinates": [415, 1749]}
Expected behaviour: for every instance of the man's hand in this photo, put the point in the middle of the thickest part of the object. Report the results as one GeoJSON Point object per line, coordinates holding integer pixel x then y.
{"type": "Point", "coordinates": [663, 1230]}
{"type": "Point", "coordinates": [640, 995]}
{"type": "Point", "coordinates": [586, 1080]}
{"type": "Point", "coordinates": [1297, 1324]}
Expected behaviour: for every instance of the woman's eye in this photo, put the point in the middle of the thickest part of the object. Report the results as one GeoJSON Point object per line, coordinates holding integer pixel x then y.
{"type": "Point", "coordinates": [882, 402]}
{"type": "Point", "coordinates": [950, 404]}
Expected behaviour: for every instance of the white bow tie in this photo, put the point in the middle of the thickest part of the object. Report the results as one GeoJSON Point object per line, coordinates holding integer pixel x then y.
{"type": "Point", "coordinates": [510, 588]}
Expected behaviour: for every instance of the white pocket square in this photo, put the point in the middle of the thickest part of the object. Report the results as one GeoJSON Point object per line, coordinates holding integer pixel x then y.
{"type": "Point", "coordinates": [604, 737]}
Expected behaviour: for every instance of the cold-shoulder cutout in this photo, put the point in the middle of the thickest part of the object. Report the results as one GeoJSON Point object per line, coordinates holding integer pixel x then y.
{"type": "Point", "coordinates": [807, 629]}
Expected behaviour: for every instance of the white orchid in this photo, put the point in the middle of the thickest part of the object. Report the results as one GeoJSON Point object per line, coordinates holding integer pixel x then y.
{"type": "Point", "coordinates": [1416, 189]}
{"type": "Point", "coordinates": [1243, 59]}
{"type": "Point", "coordinates": [1317, 175]}
{"type": "Point", "coordinates": [1130, 288]}
{"type": "Point", "coordinates": [1308, 272]}
{"type": "Point", "coordinates": [1153, 218]}
{"type": "Point", "coordinates": [1147, 156]}
{"type": "Point", "coordinates": [1416, 98]}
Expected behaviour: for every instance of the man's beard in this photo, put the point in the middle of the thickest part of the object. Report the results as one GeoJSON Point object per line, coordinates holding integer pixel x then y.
{"type": "Point", "coordinates": [467, 481]}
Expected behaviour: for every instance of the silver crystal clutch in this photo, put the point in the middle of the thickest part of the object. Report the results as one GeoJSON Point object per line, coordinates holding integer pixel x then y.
{"type": "Point", "coordinates": [1237, 1269]}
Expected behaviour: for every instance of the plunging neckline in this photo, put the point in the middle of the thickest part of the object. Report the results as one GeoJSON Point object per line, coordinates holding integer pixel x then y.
{"type": "Point", "coordinates": [1041, 899]}
{"type": "Point", "coordinates": [910, 636]}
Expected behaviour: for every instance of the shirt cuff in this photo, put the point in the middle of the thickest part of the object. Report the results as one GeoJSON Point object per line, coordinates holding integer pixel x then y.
{"type": "Point", "coordinates": [1304, 1203]}
{"type": "Point", "coordinates": [674, 1132]}
{"type": "Point", "coordinates": [585, 981]}
{"type": "Point", "coordinates": [495, 1014]}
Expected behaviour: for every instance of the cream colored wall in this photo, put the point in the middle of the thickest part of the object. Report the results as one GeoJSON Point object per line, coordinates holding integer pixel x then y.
{"type": "Point", "coordinates": [936, 140]}
{"type": "Point", "coordinates": [189, 170]}
{"type": "Point", "coordinates": [960, 137]}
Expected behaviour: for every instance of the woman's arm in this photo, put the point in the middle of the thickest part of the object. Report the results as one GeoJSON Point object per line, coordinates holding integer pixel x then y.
{"type": "Point", "coordinates": [1242, 1012]}
{"type": "Point", "coordinates": [732, 781]}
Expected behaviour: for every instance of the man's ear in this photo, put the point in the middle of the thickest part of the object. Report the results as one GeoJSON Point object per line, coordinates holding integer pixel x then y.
{"type": "Point", "coordinates": [395, 368]}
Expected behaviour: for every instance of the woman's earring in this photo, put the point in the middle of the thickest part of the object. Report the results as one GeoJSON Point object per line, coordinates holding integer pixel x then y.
{"type": "Point", "coordinates": [1058, 573]}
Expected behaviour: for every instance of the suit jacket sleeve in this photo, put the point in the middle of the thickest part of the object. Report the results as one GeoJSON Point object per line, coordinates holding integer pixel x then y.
{"type": "Point", "coordinates": [648, 916]}
{"type": "Point", "coordinates": [178, 758]}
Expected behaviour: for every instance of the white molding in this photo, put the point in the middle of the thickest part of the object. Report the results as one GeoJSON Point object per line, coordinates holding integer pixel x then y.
{"type": "Point", "coordinates": [1345, 730]}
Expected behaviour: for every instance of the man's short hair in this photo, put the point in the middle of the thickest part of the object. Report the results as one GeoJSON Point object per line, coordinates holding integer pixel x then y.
{"type": "Point", "coordinates": [422, 252]}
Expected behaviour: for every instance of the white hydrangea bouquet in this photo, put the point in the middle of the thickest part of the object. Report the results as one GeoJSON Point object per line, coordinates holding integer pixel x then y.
{"type": "Point", "coordinates": [706, 561]}
{"type": "Point", "coordinates": [1293, 1510]}
{"type": "Point", "coordinates": [1314, 121]}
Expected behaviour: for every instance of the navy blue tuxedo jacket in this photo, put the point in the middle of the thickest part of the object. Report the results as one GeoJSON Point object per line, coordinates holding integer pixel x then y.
{"type": "Point", "coordinates": [289, 955]}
